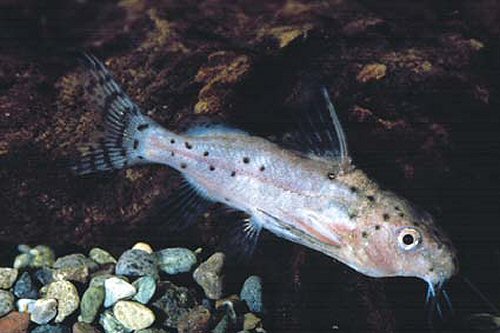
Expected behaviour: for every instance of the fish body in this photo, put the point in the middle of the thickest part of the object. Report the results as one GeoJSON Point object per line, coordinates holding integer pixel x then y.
{"type": "Point", "coordinates": [319, 200]}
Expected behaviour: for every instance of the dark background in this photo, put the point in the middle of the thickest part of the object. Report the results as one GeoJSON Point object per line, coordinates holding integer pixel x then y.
{"type": "Point", "coordinates": [422, 119]}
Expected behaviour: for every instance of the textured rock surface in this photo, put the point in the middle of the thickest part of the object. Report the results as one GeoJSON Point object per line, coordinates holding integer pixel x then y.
{"type": "Point", "coordinates": [117, 289]}
{"type": "Point", "coordinates": [174, 303]}
{"type": "Point", "coordinates": [251, 293]}
{"type": "Point", "coordinates": [15, 322]}
{"type": "Point", "coordinates": [43, 311]}
{"type": "Point", "coordinates": [210, 277]}
{"type": "Point", "coordinates": [176, 260]}
{"type": "Point", "coordinates": [133, 315]}
{"type": "Point", "coordinates": [67, 298]}
{"type": "Point", "coordinates": [146, 288]}
{"type": "Point", "coordinates": [91, 302]}
{"type": "Point", "coordinates": [136, 262]}
{"type": "Point", "coordinates": [7, 277]}
{"type": "Point", "coordinates": [6, 302]}
{"type": "Point", "coordinates": [195, 321]}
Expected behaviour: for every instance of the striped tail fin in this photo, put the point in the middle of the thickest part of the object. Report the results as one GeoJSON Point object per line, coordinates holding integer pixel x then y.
{"type": "Point", "coordinates": [125, 125]}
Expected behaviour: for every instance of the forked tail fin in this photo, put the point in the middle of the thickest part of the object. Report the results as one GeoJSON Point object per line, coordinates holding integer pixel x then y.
{"type": "Point", "coordinates": [125, 125]}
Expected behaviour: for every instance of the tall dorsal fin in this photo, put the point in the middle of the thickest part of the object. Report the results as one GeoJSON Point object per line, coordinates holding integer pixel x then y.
{"type": "Point", "coordinates": [319, 129]}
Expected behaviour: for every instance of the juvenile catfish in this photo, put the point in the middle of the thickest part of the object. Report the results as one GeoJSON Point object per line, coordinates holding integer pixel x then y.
{"type": "Point", "coordinates": [319, 200]}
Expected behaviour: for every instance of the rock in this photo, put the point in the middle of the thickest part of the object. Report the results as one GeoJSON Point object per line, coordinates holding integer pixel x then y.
{"type": "Point", "coordinates": [74, 267]}
{"type": "Point", "coordinates": [6, 302]}
{"type": "Point", "coordinates": [176, 260]}
{"type": "Point", "coordinates": [99, 280]}
{"type": "Point", "coordinates": [136, 263]}
{"type": "Point", "coordinates": [90, 304]}
{"type": "Point", "coordinates": [111, 324]}
{"type": "Point", "coordinates": [7, 277]}
{"type": "Point", "coordinates": [116, 289]}
{"type": "Point", "coordinates": [223, 325]}
{"type": "Point", "coordinates": [77, 274]}
{"type": "Point", "coordinates": [251, 321]}
{"type": "Point", "coordinates": [209, 276]}
{"type": "Point", "coordinates": [67, 298]}
{"type": "Point", "coordinates": [43, 311]}
{"type": "Point", "coordinates": [101, 257]}
{"type": "Point", "coordinates": [25, 305]}
{"type": "Point", "coordinates": [42, 256]}
{"type": "Point", "coordinates": [251, 293]}
{"type": "Point", "coordinates": [146, 288]}
{"type": "Point", "coordinates": [80, 327]}
{"type": "Point", "coordinates": [22, 261]}
{"type": "Point", "coordinates": [45, 275]}
{"type": "Point", "coordinates": [15, 322]}
{"type": "Point", "coordinates": [133, 315]}
{"type": "Point", "coordinates": [24, 287]}
{"type": "Point", "coordinates": [195, 321]}
{"type": "Point", "coordinates": [143, 247]}
{"type": "Point", "coordinates": [175, 302]}
{"type": "Point", "coordinates": [51, 329]}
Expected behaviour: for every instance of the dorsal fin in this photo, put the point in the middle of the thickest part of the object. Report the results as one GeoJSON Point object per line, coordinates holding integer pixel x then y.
{"type": "Point", "coordinates": [319, 129]}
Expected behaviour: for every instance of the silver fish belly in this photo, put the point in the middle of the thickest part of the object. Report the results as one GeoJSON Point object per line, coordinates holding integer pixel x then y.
{"type": "Point", "coordinates": [319, 200]}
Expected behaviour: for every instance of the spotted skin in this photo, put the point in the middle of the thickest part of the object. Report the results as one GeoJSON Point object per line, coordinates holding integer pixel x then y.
{"type": "Point", "coordinates": [320, 201]}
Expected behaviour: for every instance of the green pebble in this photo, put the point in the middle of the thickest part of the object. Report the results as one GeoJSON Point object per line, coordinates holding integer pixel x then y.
{"type": "Point", "coordinates": [91, 302]}
{"type": "Point", "coordinates": [176, 260]}
{"type": "Point", "coordinates": [101, 257]}
{"type": "Point", "coordinates": [43, 256]}
{"type": "Point", "coordinates": [110, 324]}
{"type": "Point", "coordinates": [22, 261]}
{"type": "Point", "coordinates": [146, 288]}
{"type": "Point", "coordinates": [6, 302]}
{"type": "Point", "coordinates": [7, 277]}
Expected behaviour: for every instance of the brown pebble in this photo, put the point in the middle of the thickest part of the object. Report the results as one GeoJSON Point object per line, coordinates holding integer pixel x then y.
{"type": "Point", "coordinates": [15, 322]}
{"type": "Point", "coordinates": [195, 321]}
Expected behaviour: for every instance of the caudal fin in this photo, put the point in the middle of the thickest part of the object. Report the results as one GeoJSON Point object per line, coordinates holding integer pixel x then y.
{"type": "Point", "coordinates": [125, 125]}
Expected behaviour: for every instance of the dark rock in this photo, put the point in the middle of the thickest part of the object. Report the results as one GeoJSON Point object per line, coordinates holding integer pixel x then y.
{"type": "Point", "coordinates": [24, 287]}
{"type": "Point", "coordinates": [137, 263]}
{"type": "Point", "coordinates": [51, 329]}
{"type": "Point", "coordinates": [174, 303]}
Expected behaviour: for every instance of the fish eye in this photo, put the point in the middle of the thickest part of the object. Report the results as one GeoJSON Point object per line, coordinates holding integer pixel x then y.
{"type": "Point", "coordinates": [409, 238]}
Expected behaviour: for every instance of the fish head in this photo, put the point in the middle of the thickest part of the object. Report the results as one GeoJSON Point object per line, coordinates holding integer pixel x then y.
{"type": "Point", "coordinates": [395, 238]}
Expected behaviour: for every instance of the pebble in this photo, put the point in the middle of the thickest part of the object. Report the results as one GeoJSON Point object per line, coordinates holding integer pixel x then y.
{"type": "Point", "coordinates": [42, 256]}
{"type": "Point", "coordinates": [77, 274]}
{"type": "Point", "coordinates": [25, 304]}
{"type": "Point", "coordinates": [80, 327]}
{"type": "Point", "coordinates": [116, 289]}
{"type": "Point", "coordinates": [15, 322]}
{"type": "Point", "coordinates": [67, 297]}
{"type": "Point", "coordinates": [146, 288]}
{"type": "Point", "coordinates": [7, 277]}
{"type": "Point", "coordinates": [251, 322]}
{"type": "Point", "coordinates": [6, 302]}
{"type": "Point", "coordinates": [76, 260]}
{"type": "Point", "coordinates": [45, 275]}
{"type": "Point", "coordinates": [99, 280]}
{"type": "Point", "coordinates": [176, 260]}
{"type": "Point", "coordinates": [51, 329]}
{"type": "Point", "coordinates": [143, 247]}
{"type": "Point", "coordinates": [110, 324]}
{"type": "Point", "coordinates": [222, 326]}
{"type": "Point", "coordinates": [23, 260]}
{"type": "Point", "coordinates": [209, 275]}
{"type": "Point", "coordinates": [43, 311]}
{"type": "Point", "coordinates": [195, 321]}
{"type": "Point", "coordinates": [24, 287]}
{"type": "Point", "coordinates": [175, 302]}
{"type": "Point", "coordinates": [101, 257]}
{"type": "Point", "coordinates": [133, 315]}
{"type": "Point", "coordinates": [137, 263]}
{"type": "Point", "coordinates": [251, 293]}
{"type": "Point", "coordinates": [90, 304]}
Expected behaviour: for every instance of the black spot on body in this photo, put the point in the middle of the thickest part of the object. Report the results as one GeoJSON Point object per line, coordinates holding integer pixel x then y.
{"type": "Point", "coordinates": [431, 269]}
{"type": "Point", "coordinates": [172, 141]}
{"type": "Point", "coordinates": [331, 175]}
{"type": "Point", "coordinates": [353, 189]}
{"type": "Point", "coordinates": [401, 215]}
{"type": "Point", "coordinates": [386, 217]}
{"type": "Point", "coordinates": [370, 198]}
{"type": "Point", "coordinates": [364, 234]}
{"type": "Point", "coordinates": [205, 153]}
{"type": "Point", "coordinates": [397, 208]}
{"type": "Point", "coordinates": [377, 227]}
{"type": "Point", "coordinates": [183, 165]}
{"type": "Point", "coordinates": [246, 160]}
{"type": "Point", "coordinates": [140, 157]}
{"type": "Point", "coordinates": [233, 173]}
{"type": "Point", "coordinates": [212, 168]}
{"type": "Point", "coordinates": [188, 145]}
{"type": "Point", "coordinates": [172, 154]}
{"type": "Point", "coordinates": [142, 127]}
{"type": "Point", "coordinates": [136, 144]}
{"type": "Point", "coordinates": [262, 168]}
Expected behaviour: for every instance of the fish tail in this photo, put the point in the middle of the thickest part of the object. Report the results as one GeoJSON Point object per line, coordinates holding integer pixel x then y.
{"type": "Point", "coordinates": [125, 125]}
